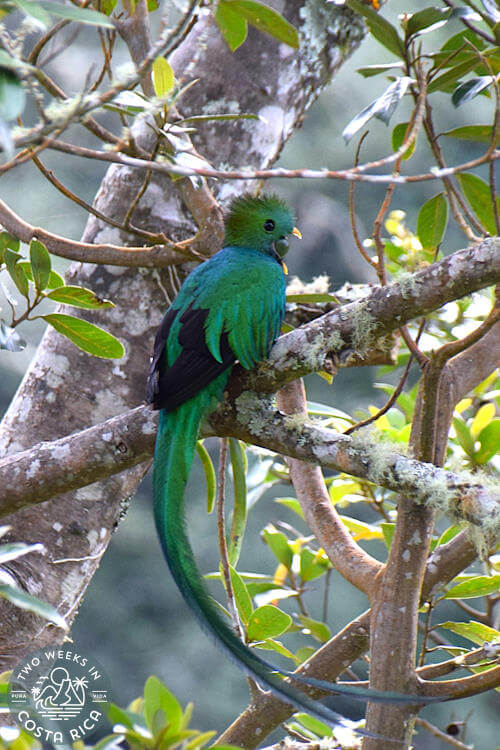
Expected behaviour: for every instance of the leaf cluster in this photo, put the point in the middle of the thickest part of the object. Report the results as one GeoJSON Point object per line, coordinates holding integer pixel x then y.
{"type": "Point", "coordinates": [37, 282]}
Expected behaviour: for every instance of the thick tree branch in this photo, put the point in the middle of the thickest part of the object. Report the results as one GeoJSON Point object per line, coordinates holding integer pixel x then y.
{"type": "Point", "coordinates": [155, 256]}
{"type": "Point", "coordinates": [127, 440]}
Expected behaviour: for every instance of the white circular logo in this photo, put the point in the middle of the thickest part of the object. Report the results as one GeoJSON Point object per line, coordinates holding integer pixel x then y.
{"type": "Point", "coordinates": [58, 695]}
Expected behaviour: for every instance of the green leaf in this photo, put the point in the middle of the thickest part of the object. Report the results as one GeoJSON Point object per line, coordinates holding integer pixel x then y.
{"type": "Point", "coordinates": [484, 415]}
{"type": "Point", "coordinates": [78, 296]}
{"type": "Point", "coordinates": [278, 544]}
{"type": "Point", "coordinates": [447, 81]}
{"type": "Point", "coordinates": [489, 439]}
{"type": "Point", "coordinates": [383, 107]}
{"type": "Point", "coordinates": [55, 279]}
{"type": "Point", "coordinates": [432, 221]}
{"type": "Point", "coordinates": [131, 722]}
{"type": "Point", "coordinates": [8, 240]}
{"type": "Point", "coordinates": [374, 70]}
{"type": "Point", "coordinates": [108, 6]}
{"type": "Point", "coordinates": [110, 742]}
{"type": "Point", "coordinates": [476, 586]}
{"type": "Point", "coordinates": [86, 336]}
{"type": "Point", "coordinates": [232, 26]}
{"type": "Point", "coordinates": [448, 535]}
{"type": "Point", "coordinates": [478, 194]}
{"type": "Point", "coordinates": [398, 136]}
{"type": "Point", "coordinates": [266, 19]}
{"type": "Point", "coordinates": [314, 725]}
{"type": "Point", "coordinates": [209, 470]}
{"type": "Point", "coordinates": [16, 271]}
{"type": "Point", "coordinates": [272, 645]}
{"type": "Point", "coordinates": [267, 622]}
{"type": "Point", "coordinates": [34, 10]}
{"type": "Point", "coordinates": [40, 264]}
{"type": "Point", "coordinates": [360, 529]}
{"type": "Point", "coordinates": [241, 595]}
{"type": "Point", "coordinates": [388, 530]}
{"type": "Point", "coordinates": [426, 20]}
{"type": "Point", "coordinates": [69, 12]}
{"type": "Point", "coordinates": [292, 503]}
{"type": "Point", "coordinates": [30, 603]}
{"type": "Point", "coordinates": [12, 95]}
{"type": "Point", "coordinates": [239, 467]}
{"type": "Point", "coordinates": [312, 565]}
{"type": "Point", "coordinates": [478, 133]}
{"type": "Point", "coordinates": [463, 436]}
{"type": "Point", "coordinates": [318, 630]}
{"type": "Point", "coordinates": [381, 29]}
{"type": "Point", "coordinates": [474, 631]}
{"type": "Point", "coordinates": [163, 77]}
{"type": "Point", "coordinates": [200, 740]}
{"type": "Point", "coordinates": [158, 699]}
{"type": "Point", "coordinates": [470, 89]}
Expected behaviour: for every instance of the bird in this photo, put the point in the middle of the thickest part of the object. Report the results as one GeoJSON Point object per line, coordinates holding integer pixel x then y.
{"type": "Point", "coordinates": [229, 309]}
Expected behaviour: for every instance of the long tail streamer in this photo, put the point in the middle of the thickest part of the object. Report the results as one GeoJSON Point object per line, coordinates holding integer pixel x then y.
{"type": "Point", "coordinates": [175, 446]}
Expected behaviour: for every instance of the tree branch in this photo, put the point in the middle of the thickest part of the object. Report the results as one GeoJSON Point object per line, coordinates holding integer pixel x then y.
{"type": "Point", "coordinates": [351, 560]}
{"type": "Point", "coordinates": [122, 442]}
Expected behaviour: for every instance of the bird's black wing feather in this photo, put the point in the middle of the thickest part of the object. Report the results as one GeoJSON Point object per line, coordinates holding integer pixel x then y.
{"type": "Point", "coordinates": [194, 368]}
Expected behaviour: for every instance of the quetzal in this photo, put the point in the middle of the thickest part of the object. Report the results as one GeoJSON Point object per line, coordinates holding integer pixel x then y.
{"type": "Point", "coordinates": [230, 308]}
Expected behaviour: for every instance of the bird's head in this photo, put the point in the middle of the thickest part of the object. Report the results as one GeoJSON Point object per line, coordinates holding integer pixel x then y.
{"type": "Point", "coordinates": [263, 223]}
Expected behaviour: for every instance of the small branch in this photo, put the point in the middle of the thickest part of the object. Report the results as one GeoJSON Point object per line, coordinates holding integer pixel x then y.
{"type": "Point", "coordinates": [352, 213]}
{"type": "Point", "coordinates": [352, 174]}
{"type": "Point", "coordinates": [472, 659]}
{"type": "Point", "coordinates": [49, 175]}
{"type": "Point", "coordinates": [351, 561]}
{"type": "Point", "coordinates": [443, 736]}
{"type": "Point", "coordinates": [388, 404]}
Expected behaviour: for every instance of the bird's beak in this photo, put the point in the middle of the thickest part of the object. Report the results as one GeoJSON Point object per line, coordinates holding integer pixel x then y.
{"type": "Point", "coordinates": [296, 232]}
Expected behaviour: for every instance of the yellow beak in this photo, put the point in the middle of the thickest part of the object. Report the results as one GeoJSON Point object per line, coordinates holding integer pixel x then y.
{"type": "Point", "coordinates": [297, 233]}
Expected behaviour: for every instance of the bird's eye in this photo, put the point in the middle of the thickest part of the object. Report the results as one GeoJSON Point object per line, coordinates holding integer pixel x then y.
{"type": "Point", "coordinates": [269, 225]}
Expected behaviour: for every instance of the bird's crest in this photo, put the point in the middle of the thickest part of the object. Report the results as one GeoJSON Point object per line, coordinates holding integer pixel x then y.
{"type": "Point", "coordinates": [257, 222]}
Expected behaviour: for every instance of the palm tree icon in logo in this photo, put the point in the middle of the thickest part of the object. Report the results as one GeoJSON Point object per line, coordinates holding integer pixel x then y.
{"type": "Point", "coordinates": [63, 697]}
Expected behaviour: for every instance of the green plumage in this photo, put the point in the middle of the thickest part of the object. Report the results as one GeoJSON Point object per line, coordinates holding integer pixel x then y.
{"type": "Point", "coordinates": [229, 309]}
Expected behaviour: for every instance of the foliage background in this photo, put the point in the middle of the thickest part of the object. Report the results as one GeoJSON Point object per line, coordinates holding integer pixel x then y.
{"type": "Point", "coordinates": [133, 619]}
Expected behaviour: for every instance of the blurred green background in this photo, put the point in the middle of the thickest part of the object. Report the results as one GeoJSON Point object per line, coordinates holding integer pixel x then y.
{"type": "Point", "coordinates": [133, 619]}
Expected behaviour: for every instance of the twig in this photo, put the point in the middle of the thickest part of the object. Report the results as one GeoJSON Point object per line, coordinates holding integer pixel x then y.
{"type": "Point", "coordinates": [415, 351]}
{"type": "Point", "coordinates": [352, 213]}
{"type": "Point", "coordinates": [444, 736]}
{"type": "Point", "coordinates": [146, 236]}
{"type": "Point", "coordinates": [267, 174]}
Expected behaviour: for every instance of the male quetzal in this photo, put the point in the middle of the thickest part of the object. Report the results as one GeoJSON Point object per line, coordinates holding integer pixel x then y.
{"type": "Point", "coordinates": [230, 308]}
